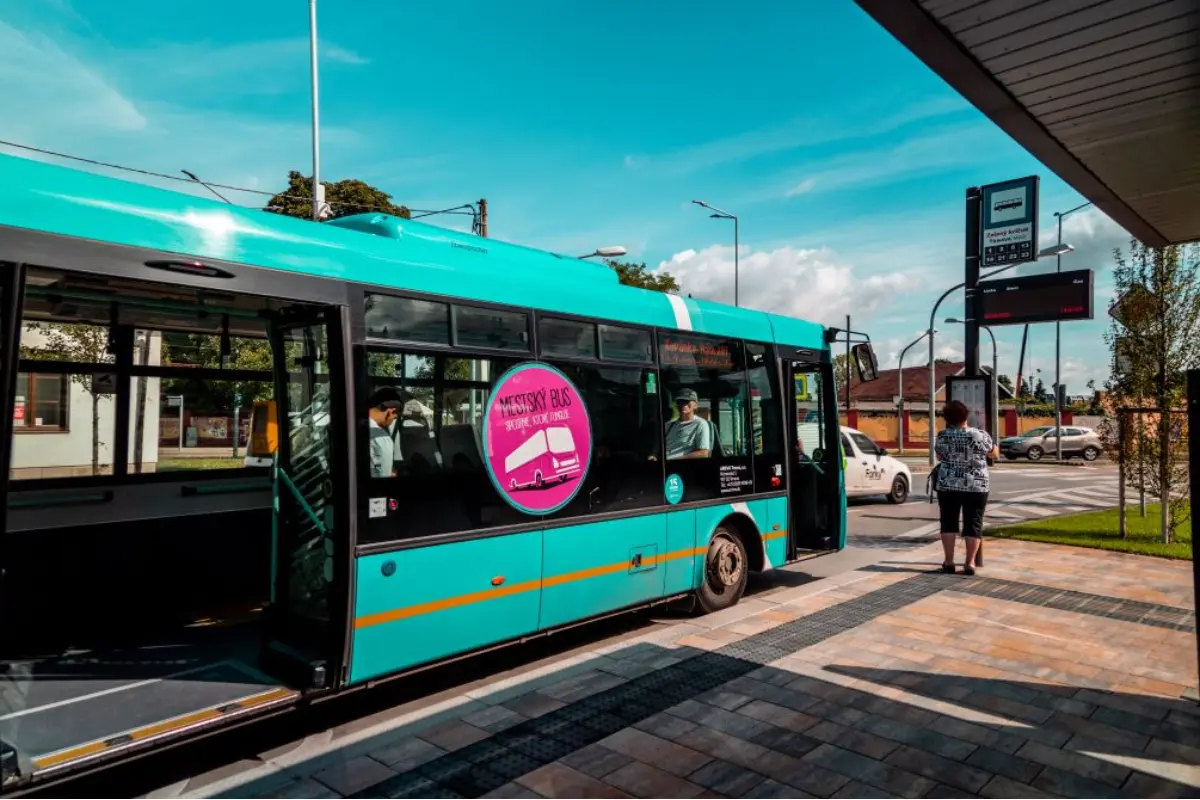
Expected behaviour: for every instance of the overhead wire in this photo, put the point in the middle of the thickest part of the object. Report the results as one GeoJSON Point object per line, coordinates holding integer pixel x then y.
{"type": "Point", "coordinates": [467, 209]}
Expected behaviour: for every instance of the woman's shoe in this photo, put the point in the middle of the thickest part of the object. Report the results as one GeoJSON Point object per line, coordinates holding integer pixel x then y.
{"type": "Point", "coordinates": [968, 570]}
{"type": "Point", "coordinates": [948, 569]}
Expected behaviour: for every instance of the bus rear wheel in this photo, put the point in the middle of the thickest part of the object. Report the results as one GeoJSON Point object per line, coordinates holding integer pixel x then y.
{"type": "Point", "coordinates": [726, 570]}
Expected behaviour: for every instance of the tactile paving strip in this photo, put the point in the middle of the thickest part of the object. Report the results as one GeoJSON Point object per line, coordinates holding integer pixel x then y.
{"type": "Point", "coordinates": [1097, 605]}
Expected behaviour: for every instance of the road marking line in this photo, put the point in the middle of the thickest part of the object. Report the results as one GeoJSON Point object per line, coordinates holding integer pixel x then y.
{"type": "Point", "coordinates": [1033, 510]}
{"type": "Point", "coordinates": [924, 530]}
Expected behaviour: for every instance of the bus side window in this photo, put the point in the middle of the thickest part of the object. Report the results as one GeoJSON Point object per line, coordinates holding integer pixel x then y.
{"type": "Point", "coordinates": [440, 484]}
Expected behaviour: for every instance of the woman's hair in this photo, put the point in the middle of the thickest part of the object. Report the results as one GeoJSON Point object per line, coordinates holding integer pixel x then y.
{"type": "Point", "coordinates": [955, 413]}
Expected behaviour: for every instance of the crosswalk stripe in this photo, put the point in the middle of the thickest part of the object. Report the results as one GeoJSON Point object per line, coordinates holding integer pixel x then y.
{"type": "Point", "coordinates": [917, 533]}
{"type": "Point", "coordinates": [1035, 511]}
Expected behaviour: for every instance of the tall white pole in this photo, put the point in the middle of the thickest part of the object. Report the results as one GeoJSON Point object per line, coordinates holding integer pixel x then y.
{"type": "Point", "coordinates": [316, 113]}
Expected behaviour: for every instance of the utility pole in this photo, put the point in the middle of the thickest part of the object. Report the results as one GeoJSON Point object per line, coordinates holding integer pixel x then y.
{"type": "Point", "coordinates": [971, 261]}
{"type": "Point", "coordinates": [848, 329]}
{"type": "Point", "coordinates": [318, 189]}
{"type": "Point", "coordinates": [483, 217]}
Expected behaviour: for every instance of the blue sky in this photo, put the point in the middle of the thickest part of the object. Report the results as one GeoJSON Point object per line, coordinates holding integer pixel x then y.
{"type": "Point", "coordinates": [584, 124]}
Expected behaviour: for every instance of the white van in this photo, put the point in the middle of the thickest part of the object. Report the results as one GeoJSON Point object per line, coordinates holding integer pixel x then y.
{"type": "Point", "coordinates": [870, 471]}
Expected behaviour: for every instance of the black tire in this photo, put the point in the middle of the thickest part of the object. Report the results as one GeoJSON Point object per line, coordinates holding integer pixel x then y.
{"type": "Point", "coordinates": [538, 481]}
{"type": "Point", "coordinates": [899, 492]}
{"type": "Point", "coordinates": [726, 570]}
{"type": "Point", "coordinates": [1091, 453]}
{"type": "Point", "coordinates": [1035, 453]}
{"type": "Point", "coordinates": [1010, 457]}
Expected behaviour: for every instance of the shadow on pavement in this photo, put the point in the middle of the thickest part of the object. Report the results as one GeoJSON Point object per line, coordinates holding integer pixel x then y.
{"type": "Point", "coordinates": [758, 718]}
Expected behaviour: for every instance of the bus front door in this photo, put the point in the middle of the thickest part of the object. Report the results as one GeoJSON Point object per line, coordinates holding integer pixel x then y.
{"type": "Point", "coordinates": [306, 620]}
{"type": "Point", "coordinates": [816, 507]}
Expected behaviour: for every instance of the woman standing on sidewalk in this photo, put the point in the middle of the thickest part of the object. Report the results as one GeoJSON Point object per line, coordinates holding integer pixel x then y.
{"type": "Point", "coordinates": [963, 482]}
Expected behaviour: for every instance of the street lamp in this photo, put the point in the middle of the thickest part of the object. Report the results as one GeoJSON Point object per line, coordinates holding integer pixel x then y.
{"type": "Point", "coordinates": [719, 214]}
{"type": "Point", "coordinates": [318, 189]}
{"type": "Point", "coordinates": [995, 375]}
{"type": "Point", "coordinates": [1058, 338]}
{"type": "Point", "coordinates": [900, 385]}
{"type": "Point", "coordinates": [615, 251]}
{"type": "Point", "coordinates": [1056, 250]}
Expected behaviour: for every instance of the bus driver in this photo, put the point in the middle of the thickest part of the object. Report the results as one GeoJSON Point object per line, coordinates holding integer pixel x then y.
{"type": "Point", "coordinates": [689, 436]}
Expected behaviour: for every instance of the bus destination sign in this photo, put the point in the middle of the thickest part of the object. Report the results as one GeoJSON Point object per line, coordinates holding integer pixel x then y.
{"type": "Point", "coordinates": [1050, 297]}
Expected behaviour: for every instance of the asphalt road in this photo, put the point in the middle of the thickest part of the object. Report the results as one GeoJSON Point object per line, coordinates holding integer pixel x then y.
{"type": "Point", "coordinates": [1019, 493]}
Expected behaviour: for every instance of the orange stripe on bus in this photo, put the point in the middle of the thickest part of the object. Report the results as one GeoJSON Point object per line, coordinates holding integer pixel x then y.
{"type": "Point", "coordinates": [420, 609]}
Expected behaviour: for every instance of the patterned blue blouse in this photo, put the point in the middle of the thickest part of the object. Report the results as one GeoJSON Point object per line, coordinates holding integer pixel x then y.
{"type": "Point", "coordinates": [963, 456]}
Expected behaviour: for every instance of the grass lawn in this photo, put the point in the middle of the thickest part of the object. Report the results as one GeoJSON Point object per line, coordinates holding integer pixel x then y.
{"type": "Point", "coordinates": [1099, 529]}
{"type": "Point", "coordinates": [191, 464]}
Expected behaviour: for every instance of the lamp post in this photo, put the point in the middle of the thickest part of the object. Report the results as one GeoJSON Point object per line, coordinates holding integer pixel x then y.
{"type": "Point", "coordinates": [995, 374]}
{"type": "Point", "coordinates": [318, 189]}
{"type": "Point", "coordinates": [719, 214]}
{"type": "Point", "coordinates": [1058, 340]}
{"type": "Point", "coordinates": [900, 386]}
{"type": "Point", "coordinates": [1057, 250]}
{"type": "Point", "coordinates": [605, 252]}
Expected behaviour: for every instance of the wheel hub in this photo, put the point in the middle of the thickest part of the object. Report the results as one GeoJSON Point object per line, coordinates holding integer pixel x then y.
{"type": "Point", "coordinates": [724, 565]}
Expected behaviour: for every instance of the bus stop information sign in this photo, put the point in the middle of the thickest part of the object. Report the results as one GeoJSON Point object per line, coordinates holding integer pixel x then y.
{"type": "Point", "coordinates": [973, 392]}
{"type": "Point", "coordinates": [538, 438]}
{"type": "Point", "coordinates": [1009, 228]}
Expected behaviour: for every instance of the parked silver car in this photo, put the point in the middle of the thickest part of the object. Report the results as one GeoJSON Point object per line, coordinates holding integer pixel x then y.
{"type": "Point", "coordinates": [1040, 442]}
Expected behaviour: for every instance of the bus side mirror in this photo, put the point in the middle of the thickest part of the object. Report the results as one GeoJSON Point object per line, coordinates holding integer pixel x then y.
{"type": "Point", "coordinates": [864, 361]}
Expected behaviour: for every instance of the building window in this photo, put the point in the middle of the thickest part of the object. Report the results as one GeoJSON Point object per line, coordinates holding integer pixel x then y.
{"type": "Point", "coordinates": [42, 402]}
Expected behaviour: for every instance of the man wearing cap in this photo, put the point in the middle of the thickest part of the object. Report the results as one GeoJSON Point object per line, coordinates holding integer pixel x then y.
{"type": "Point", "coordinates": [689, 436]}
{"type": "Point", "coordinates": [386, 403]}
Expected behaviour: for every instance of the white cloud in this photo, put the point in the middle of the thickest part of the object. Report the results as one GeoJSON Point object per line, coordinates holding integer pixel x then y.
{"type": "Point", "coordinates": [939, 149]}
{"type": "Point", "coordinates": [864, 121]}
{"type": "Point", "coordinates": [69, 104]}
{"type": "Point", "coordinates": [44, 88]}
{"type": "Point", "coordinates": [807, 283]}
{"type": "Point", "coordinates": [1093, 235]}
{"type": "Point", "coordinates": [803, 186]}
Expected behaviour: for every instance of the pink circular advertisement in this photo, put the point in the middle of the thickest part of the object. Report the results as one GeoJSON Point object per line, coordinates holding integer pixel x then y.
{"type": "Point", "coordinates": [538, 438]}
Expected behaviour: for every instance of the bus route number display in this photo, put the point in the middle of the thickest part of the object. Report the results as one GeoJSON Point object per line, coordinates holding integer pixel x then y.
{"type": "Point", "coordinates": [538, 438]}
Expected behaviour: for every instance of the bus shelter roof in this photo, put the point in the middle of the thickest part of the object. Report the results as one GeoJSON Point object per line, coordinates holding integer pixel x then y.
{"type": "Point", "coordinates": [1106, 93]}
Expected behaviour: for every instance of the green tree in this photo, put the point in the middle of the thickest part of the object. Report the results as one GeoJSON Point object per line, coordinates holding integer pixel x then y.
{"type": "Point", "coordinates": [1155, 340]}
{"type": "Point", "coordinates": [344, 197]}
{"type": "Point", "coordinates": [643, 277]}
{"type": "Point", "coordinates": [1005, 381]}
{"type": "Point", "coordinates": [81, 344]}
{"type": "Point", "coordinates": [841, 375]}
{"type": "Point", "coordinates": [1039, 391]}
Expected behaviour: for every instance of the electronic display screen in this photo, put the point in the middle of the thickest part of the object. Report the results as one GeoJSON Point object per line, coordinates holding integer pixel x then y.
{"type": "Point", "coordinates": [1055, 296]}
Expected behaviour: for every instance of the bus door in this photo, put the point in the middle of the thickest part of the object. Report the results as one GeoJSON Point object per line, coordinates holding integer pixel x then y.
{"type": "Point", "coordinates": [11, 293]}
{"type": "Point", "coordinates": [815, 474]}
{"type": "Point", "coordinates": [306, 621]}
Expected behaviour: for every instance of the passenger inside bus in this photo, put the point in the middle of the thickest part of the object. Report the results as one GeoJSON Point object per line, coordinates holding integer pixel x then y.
{"type": "Point", "coordinates": [384, 410]}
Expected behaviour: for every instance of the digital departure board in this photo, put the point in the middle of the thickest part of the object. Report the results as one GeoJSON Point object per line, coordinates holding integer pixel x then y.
{"type": "Point", "coordinates": [1054, 296]}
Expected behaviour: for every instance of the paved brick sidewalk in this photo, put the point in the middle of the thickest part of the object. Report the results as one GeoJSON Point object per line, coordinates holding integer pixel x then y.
{"type": "Point", "coordinates": [1054, 672]}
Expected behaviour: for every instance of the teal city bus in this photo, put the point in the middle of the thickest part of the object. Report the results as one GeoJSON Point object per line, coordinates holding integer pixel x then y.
{"type": "Point", "coordinates": [475, 443]}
